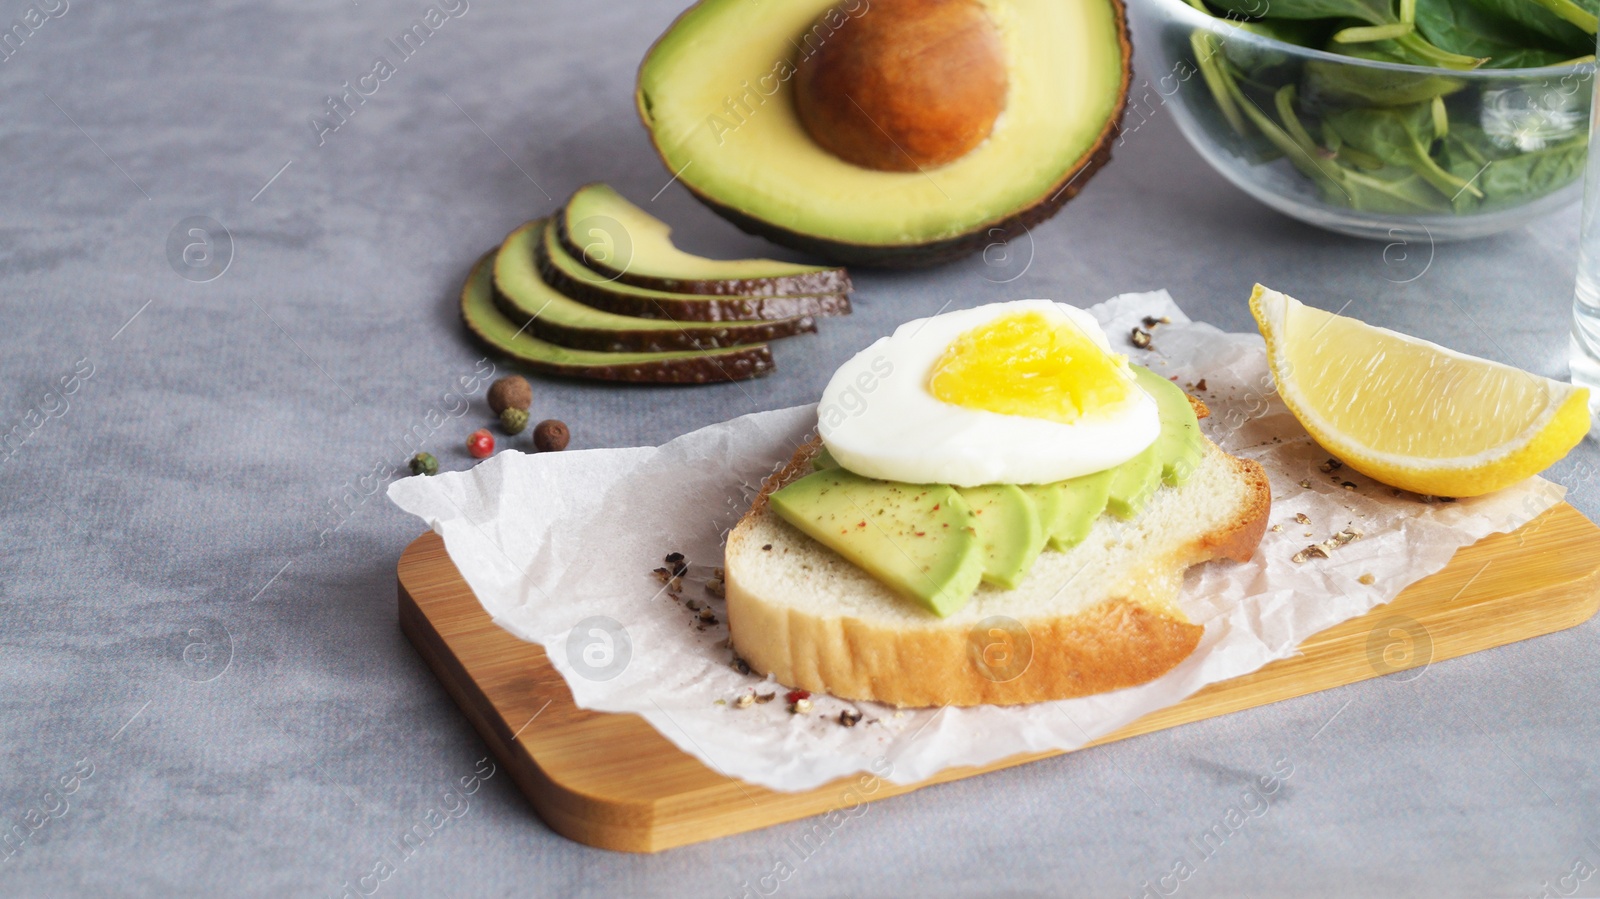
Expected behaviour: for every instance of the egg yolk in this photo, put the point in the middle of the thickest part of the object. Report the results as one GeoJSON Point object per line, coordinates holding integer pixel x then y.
{"type": "Point", "coordinates": [1032, 365]}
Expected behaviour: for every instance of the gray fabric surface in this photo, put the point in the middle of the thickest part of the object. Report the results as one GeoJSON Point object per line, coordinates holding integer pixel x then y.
{"type": "Point", "coordinates": [183, 622]}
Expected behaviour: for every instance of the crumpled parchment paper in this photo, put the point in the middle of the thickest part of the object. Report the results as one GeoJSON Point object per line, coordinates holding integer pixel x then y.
{"type": "Point", "coordinates": [559, 548]}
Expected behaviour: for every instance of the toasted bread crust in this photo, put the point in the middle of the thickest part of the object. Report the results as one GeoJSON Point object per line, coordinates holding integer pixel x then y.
{"type": "Point", "coordinates": [1239, 540]}
{"type": "Point", "coordinates": [1119, 642]}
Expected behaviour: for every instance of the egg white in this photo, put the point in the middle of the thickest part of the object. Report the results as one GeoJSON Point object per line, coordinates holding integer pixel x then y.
{"type": "Point", "coordinates": [878, 418]}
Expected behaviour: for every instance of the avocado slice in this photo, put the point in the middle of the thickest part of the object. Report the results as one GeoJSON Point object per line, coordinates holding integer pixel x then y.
{"type": "Point", "coordinates": [1133, 483]}
{"type": "Point", "coordinates": [1181, 443]}
{"type": "Point", "coordinates": [1079, 502]}
{"type": "Point", "coordinates": [1049, 503]}
{"type": "Point", "coordinates": [1009, 533]}
{"type": "Point", "coordinates": [566, 273]}
{"type": "Point", "coordinates": [920, 540]}
{"type": "Point", "coordinates": [901, 533]}
{"type": "Point", "coordinates": [525, 298]}
{"type": "Point", "coordinates": [823, 459]}
{"type": "Point", "coordinates": [1170, 459]}
{"type": "Point", "coordinates": [624, 243]}
{"type": "Point", "coordinates": [489, 325]}
{"type": "Point", "coordinates": [1068, 509]}
{"type": "Point", "coordinates": [716, 93]}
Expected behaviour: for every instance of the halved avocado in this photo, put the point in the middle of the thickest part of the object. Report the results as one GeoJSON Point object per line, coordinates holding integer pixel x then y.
{"type": "Point", "coordinates": [716, 93]}
{"type": "Point", "coordinates": [526, 299]}
{"type": "Point", "coordinates": [487, 323]}
{"type": "Point", "coordinates": [625, 243]}
{"type": "Point", "coordinates": [565, 273]}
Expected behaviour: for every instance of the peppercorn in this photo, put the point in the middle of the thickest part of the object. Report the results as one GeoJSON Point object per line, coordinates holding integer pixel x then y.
{"type": "Point", "coordinates": [480, 444]}
{"type": "Point", "coordinates": [510, 392]}
{"type": "Point", "coordinates": [513, 420]}
{"type": "Point", "coordinates": [550, 436]}
{"type": "Point", "coordinates": [424, 463]}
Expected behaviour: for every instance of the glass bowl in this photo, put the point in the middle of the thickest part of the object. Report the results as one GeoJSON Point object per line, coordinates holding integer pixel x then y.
{"type": "Point", "coordinates": [1346, 143]}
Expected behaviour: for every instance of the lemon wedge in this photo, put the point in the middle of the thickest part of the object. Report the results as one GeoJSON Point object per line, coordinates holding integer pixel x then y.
{"type": "Point", "coordinates": [1410, 413]}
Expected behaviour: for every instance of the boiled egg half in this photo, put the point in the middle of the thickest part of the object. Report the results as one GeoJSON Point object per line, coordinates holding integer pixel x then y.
{"type": "Point", "coordinates": [1026, 392]}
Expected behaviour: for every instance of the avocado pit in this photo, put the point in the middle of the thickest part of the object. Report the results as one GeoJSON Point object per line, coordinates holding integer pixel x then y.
{"type": "Point", "coordinates": [908, 85]}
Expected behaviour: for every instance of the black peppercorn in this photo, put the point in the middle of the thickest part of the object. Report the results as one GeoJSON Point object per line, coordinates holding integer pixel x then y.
{"type": "Point", "coordinates": [550, 436]}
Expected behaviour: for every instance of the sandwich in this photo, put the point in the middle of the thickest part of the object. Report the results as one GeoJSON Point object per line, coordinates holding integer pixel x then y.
{"type": "Point", "coordinates": [996, 509]}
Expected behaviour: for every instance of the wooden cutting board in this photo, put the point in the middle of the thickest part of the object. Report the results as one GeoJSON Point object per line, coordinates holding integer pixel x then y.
{"type": "Point", "coordinates": [610, 780]}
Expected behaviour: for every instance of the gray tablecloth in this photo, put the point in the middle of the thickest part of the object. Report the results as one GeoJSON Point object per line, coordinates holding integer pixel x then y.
{"type": "Point", "coordinates": [204, 690]}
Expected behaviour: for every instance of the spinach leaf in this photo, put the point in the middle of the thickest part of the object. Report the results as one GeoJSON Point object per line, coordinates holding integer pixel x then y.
{"type": "Point", "coordinates": [1384, 140]}
{"type": "Point", "coordinates": [1255, 60]}
{"type": "Point", "coordinates": [1351, 155]}
{"type": "Point", "coordinates": [1391, 189]}
{"type": "Point", "coordinates": [1534, 174]}
{"type": "Point", "coordinates": [1471, 29]}
{"type": "Point", "coordinates": [1400, 136]}
{"type": "Point", "coordinates": [1208, 59]}
{"type": "Point", "coordinates": [1534, 18]}
{"type": "Point", "coordinates": [1372, 12]}
{"type": "Point", "coordinates": [1353, 12]}
{"type": "Point", "coordinates": [1305, 32]}
{"type": "Point", "coordinates": [1332, 83]}
{"type": "Point", "coordinates": [1429, 55]}
{"type": "Point", "coordinates": [1507, 177]}
{"type": "Point", "coordinates": [1395, 190]}
{"type": "Point", "coordinates": [1313, 161]}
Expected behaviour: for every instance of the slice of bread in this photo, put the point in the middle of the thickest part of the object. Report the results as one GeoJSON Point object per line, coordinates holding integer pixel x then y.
{"type": "Point", "coordinates": [1098, 617]}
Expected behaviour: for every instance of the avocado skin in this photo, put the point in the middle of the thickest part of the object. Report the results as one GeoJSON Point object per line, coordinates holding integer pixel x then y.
{"type": "Point", "coordinates": [712, 366]}
{"type": "Point", "coordinates": [939, 252]}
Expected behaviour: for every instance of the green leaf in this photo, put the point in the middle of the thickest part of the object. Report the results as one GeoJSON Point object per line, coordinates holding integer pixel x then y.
{"type": "Point", "coordinates": [1283, 101]}
{"type": "Point", "coordinates": [1389, 143]}
{"type": "Point", "coordinates": [1366, 34]}
{"type": "Point", "coordinates": [1392, 189]}
{"type": "Point", "coordinates": [1300, 156]}
{"type": "Point", "coordinates": [1471, 29]}
{"type": "Point", "coordinates": [1534, 174]}
{"type": "Point", "coordinates": [1507, 177]}
{"type": "Point", "coordinates": [1368, 12]}
{"type": "Point", "coordinates": [1400, 136]}
{"type": "Point", "coordinates": [1568, 11]}
{"type": "Point", "coordinates": [1209, 61]}
{"type": "Point", "coordinates": [1418, 46]}
{"type": "Point", "coordinates": [1332, 83]}
{"type": "Point", "coordinates": [1304, 32]}
{"type": "Point", "coordinates": [1532, 20]}
{"type": "Point", "coordinates": [1372, 12]}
